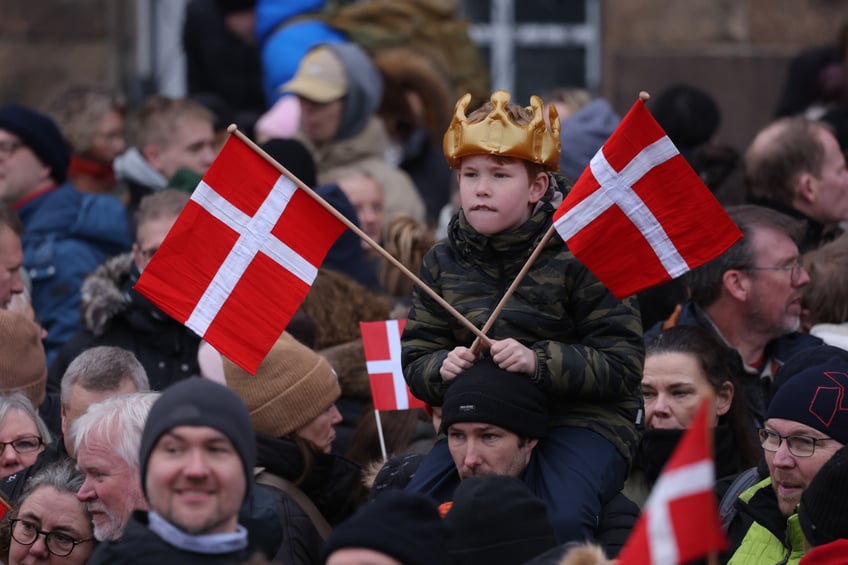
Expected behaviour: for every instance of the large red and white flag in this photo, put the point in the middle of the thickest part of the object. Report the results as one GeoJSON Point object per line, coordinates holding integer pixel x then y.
{"type": "Point", "coordinates": [242, 255]}
{"type": "Point", "coordinates": [381, 342]}
{"type": "Point", "coordinates": [680, 521]}
{"type": "Point", "coordinates": [639, 215]}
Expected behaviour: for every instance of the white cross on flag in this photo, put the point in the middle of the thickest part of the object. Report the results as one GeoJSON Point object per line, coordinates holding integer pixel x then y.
{"type": "Point", "coordinates": [242, 255]}
{"type": "Point", "coordinates": [381, 342]}
{"type": "Point", "coordinates": [680, 520]}
{"type": "Point", "coordinates": [639, 215]}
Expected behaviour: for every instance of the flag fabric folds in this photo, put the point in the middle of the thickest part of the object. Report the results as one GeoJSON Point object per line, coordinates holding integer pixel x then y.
{"type": "Point", "coordinates": [680, 521]}
{"type": "Point", "coordinates": [639, 215]}
{"type": "Point", "coordinates": [242, 255]}
{"type": "Point", "coordinates": [381, 342]}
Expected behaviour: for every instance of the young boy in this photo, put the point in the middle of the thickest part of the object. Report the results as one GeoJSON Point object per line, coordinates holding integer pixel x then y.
{"type": "Point", "coordinates": [561, 328]}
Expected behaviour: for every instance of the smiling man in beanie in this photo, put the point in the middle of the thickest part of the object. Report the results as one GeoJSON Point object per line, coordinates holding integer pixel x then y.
{"type": "Point", "coordinates": [806, 424]}
{"type": "Point", "coordinates": [196, 463]}
{"type": "Point", "coordinates": [67, 233]}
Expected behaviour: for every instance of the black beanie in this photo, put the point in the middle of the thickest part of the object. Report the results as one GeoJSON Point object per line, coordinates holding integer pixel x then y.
{"type": "Point", "coordinates": [822, 510]}
{"type": "Point", "coordinates": [491, 395]}
{"type": "Point", "coordinates": [41, 135]}
{"type": "Point", "coordinates": [402, 525]}
{"type": "Point", "coordinates": [200, 402]}
{"type": "Point", "coordinates": [814, 397]}
{"type": "Point", "coordinates": [497, 520]}
{"type": "Point", "coordinates": [295, 157]}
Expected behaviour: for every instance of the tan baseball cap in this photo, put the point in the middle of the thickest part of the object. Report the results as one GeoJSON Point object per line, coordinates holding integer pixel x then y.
{"type": "Point", "coordinates": [320, 77]}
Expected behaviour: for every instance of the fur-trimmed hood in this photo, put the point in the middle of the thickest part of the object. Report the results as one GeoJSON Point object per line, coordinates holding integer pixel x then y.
{"type": "Point", "coordinates": [103, 295]}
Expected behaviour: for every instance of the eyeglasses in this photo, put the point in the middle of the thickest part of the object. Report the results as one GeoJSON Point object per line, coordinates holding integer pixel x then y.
{"type": "Point", "coordinates": [793, 268]}
{"type": "Point", "coordinates": [799, 446]}
{"type": "Point", "coordinates": [26, 444]}
{"type": "Point", "coordinates": [59, 544]}
{"type": "Point", "coordinates": [8, 147]}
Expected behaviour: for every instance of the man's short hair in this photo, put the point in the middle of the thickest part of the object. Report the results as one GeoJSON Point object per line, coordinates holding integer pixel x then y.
{"type": "Point", "coordinates": [487, 394]}
{"type": "Point", "coordinates": [794, 147]}
{"type": "Point", "coordinates": [8, 217]}
{"type": "Point", "coordinates": [705, 282]}
{"type": "Point", "coordinates": [166, 203]}
{"type": "Point", "coordinates": [159, 117]}
{"type": "Point", "coordinates": [117, 422]}
{"type": "Point", "coordinates": [101, 369]}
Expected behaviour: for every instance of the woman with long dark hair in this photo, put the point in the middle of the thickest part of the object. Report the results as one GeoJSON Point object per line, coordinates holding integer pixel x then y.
{"type": "Point", "coordinates": [683, 365]}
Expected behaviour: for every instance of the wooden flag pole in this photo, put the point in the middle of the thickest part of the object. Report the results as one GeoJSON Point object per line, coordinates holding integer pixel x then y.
{"type": "Point", "coordinates": [233, 129]}
{"type": "Point", "coordinates": [475, 347]}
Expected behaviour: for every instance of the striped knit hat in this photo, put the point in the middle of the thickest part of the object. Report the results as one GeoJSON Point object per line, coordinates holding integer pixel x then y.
{"type": "Point", "coordinates": [292, 386]}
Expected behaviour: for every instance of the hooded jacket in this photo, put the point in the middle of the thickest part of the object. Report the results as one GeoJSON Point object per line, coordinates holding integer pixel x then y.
{"type": "Point", "coordinates": [361, 139]}
{"type": "Point", "coordinates": [68, 234]}
{"type": "Point", "coordinates": [588, 344]}
{"type": "Point", "coordinates": [115, 314]}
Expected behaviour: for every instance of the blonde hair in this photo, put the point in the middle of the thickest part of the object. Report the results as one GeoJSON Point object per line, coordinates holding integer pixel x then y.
{"type": "Point", "coordinates": [407, 240]}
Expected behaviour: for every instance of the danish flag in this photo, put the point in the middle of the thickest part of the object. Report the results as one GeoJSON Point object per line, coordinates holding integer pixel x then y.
{"type": "Point", "coordinates": [680, 520]}
{"type": "Point", "coordinates": [381, 342]}
{"type": "Point", "coordinates": [241, 256]}
{"type": "Point", "coordinates": [639, 215]}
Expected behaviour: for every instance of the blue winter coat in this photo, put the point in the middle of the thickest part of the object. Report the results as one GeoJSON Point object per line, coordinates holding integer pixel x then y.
{"type": "Point", "coordinates": [68, 234]}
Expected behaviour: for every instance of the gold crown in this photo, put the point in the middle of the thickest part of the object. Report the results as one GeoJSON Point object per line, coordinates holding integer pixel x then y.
{"type": "Point", "coordinates": [500, 135]}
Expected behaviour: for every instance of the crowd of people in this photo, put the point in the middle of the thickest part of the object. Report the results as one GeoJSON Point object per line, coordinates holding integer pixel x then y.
{"type": "Point", "coordinates": [126, 438]}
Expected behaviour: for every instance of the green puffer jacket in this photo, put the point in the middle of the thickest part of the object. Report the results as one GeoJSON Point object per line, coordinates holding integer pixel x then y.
{"type": "Point", "coordinates": [587, 342]}
{"type": "Point", "coordinates": [760, 534]}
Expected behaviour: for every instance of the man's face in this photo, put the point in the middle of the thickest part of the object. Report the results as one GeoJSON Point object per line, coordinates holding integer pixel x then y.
{"type": "Point", "coordinates": [111, 490]}
{"type": "Point", "coordinates": [791, 474]}
{"type": "Point", "coordinates": [831, 184]}
{"type": "Point", "coordinates": [11, 259]}
{"type": "Point", "coordinates": [481, 450]}
{"type": "Point", "coordinates": [21, 172]}
{"type": "Point", "coordinates": [195, 480]}
{"type": "Point", "coordinates": [320, 122]}
{"type": "Point", "coordinates": [78, 401]}
{"type": "Point", "coordinates": [360, 556]}
{"type": "Point", "coordinates": [192, 147]}
{"type": "Point", "coordinates": [149, 236]}
{"type": "Point", "coordinates": [775, 296]}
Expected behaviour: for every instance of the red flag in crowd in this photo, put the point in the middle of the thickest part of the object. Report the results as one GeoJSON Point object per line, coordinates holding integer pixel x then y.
{"type": "Point", "coordinates": [242, 255]}
{"type": "Point", "coordinates": [381, 342]}
{"type": "Point", "coordinates": [680, 520]}
{"type": "Point", "coordinates": [639, 215]}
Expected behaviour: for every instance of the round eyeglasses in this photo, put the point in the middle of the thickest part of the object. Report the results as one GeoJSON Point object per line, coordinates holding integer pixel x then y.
{"type": "Point", "coordinates": [60, 544]}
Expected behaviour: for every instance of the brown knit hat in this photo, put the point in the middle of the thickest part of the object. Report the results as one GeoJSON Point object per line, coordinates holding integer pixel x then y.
{"type": "Point", "coordinates": [23, 366]}
{"type": "Point", "coordinates": [292, 386]}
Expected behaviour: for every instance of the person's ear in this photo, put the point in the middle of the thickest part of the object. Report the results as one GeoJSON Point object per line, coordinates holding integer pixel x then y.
{"type": "Point", "coordinates": [724, 398]}
{"type": "Point", "coordinates": [151, 154]}
{"type": "Point", "coordinates": [538, 187]}
{"type": "Point", "coordinates": [737, 284]}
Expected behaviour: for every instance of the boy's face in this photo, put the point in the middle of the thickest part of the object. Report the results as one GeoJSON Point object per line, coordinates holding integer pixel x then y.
{"type": "Point", "coordinates": [496, 194]}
